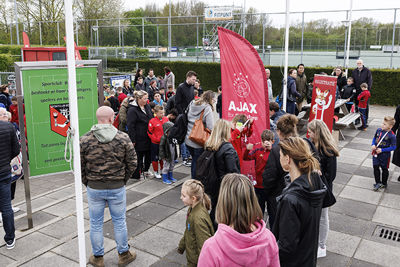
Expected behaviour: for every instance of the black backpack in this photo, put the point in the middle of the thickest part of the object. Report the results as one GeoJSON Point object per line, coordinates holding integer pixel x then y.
{"type": "Point", "coordinates": [206, 171]}
{"type": "Point", "coordinates": [179, 130]}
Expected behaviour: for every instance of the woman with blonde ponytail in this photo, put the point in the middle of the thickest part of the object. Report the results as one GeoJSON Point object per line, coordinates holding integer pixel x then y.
{"type": "Point", "coordinates": [297, 220]}
{"type": "Point", "coordinates": [198, 223]}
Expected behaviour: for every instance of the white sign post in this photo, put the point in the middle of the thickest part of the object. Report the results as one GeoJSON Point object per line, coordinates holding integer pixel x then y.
{"type": "Point", "coordinates": [285, 92]}
{"type": "Point", "coordinates": [73, 107]}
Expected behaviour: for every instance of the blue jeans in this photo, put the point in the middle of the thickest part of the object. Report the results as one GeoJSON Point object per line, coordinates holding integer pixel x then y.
{"type": "Point", "coordinates": [195, 152]}
{"type": "Point", "coordinates": [5, 207]}
{"type": "Point", "coordinates": [116, 199]}
{"type": "Point", "coordinates": [184, 152]}
{"type": "Point", "coordinates": [363, 113]}
{"type": "Point", "coordinates": [290, 107]}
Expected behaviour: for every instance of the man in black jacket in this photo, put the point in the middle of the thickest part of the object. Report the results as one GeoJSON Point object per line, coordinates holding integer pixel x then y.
{"type": "Point", "coordinates": [362, 75]}
{"type": "Point", "coordinates": [9, 147]}
{"type": "Point", "coordinates": [185, 92]}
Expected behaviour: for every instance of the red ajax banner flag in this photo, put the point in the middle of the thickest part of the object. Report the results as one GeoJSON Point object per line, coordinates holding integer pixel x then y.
{"type": "Point", "coordinates": [323, 99]}
{"type": "Point", "coordinates": [244, 88]}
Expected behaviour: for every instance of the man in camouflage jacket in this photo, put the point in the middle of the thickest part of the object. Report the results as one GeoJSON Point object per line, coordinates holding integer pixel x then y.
{"type": "Point", "coordinates": [108, 160]}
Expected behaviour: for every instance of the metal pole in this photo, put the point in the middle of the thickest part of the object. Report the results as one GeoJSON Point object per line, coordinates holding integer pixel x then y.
{"type": "Point", "coordinates": [349, 38]}
{"type": "Point", "coordinates": [158, 43]}
{"type": "Point", "coordinates": [76, 28]}
{"type": "Point", "coordinates": [197, 39]}
{"type": "Point", "coordinates": [119, 32]}
{"type": "Point", "coordinates": [11, 38]}
{"type": "Point", "coordinates": [285, 75]}
{"type": "Point", "coordinates": [73, 107]}
{"type": "Point", "coordinates": [244, 19]}
{"type": "Point", "coordinates": [97, 36]}
{"type": "Point", "coordinates": [143, 32]}
{"type": "Point", "coordinates": [302, 37]}
{"type": "Point", "coordinates": [58, 33]}
{"type": "Point", "coordinates": [394, 33]}
{"type": "Point", "coordinates": [365, 39]}
{"type": "Point", "coordinates": [16, 21]}
{"type": "Point", "coordinates": [169, 29]}
{"type": "Point", "coordinates": [40, 32]}
{"type": "Point", "coordinates": [263, 38]}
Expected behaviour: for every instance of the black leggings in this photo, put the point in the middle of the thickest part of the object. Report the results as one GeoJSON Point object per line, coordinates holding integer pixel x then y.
{"type": "Point", "coordinates": [377, 174]}
{"type": "Point", "coordinates": [147, 161]}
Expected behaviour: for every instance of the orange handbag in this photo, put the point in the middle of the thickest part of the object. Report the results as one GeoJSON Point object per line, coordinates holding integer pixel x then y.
{"type": "Point", "coordinates": [199, 133]}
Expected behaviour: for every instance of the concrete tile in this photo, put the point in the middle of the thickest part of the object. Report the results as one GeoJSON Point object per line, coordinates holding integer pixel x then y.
{"type": "Point", "coordinates": [355, 153]}
{"type": "Point", "coordinates": [390, 201]}
{"type": "Point", "coordinates": [393, 188]}
{"type": "Point", "coordinates": [50, 259]}
{"type": "Point", "coordinates": [333, 259]}
{"type": "Point", "coordinates": [341, 243]}
{"type": "Point", "coordinates": [361, 181]}
{"type": "Point", "coordinates": [62, 228]}
{"type": "Point", "coordinates": [133, 196]}
{"type": "Point", "coordinates": [348, 225]}
{"type": "Point", "coordinates": [29, 245]}
{"type": "Point", "coordinates": [175, 222]}
{"type": "Point", "coordinates": [142, 258]}
{"type": "Point", "coordinates": [149, 187]}
{"type": "Point", "coordinates": [368, 163]}
{"type": "Point", "coordinates": [64, 208]}
{"type": "Point", "coordinates": [361, 194]}
{"type": "Point", "coordinates": [157, 241]}
{"type": "Point", "coordinates": [337, 188]}
{"type": "Point", "coordinates": [365, 171]}
{"type": "Point", "coordinates": [65, 192]}
{"type": "Point", "coordinates": [180, 175]}
{"type": "Point", "coordinates": [40, 202]}
{"type": "Point", "coordinates": [358, 146]}
{"type": "Point", "coordinates": [378, 253]}
{"type": "Point", "coordinates": [387, 216]}
{"type": "Point", "coordinates": [166, 263]}
{"type": "Point", "coordinates": [354, 208]}
{"type": "Point", "coordinates": [365, 141]}
{"type": "Point", "coordinates": [350, 132]}
{"type": "Point", "coordinates": [170, 198]}
{"type": "Point", "coordinates": [347, 168]}
{"type": "Point", "coordinates": [70, 249]}
{"type": "Point", "coordinates": [134, 226]}
{"type": "Point", "coordinates": [394, 176]}
{"type": "Point", "coordinates": [343, 158]}
{"type": "Point", "coordinates": [176, 257]}
{"type": "Point", "coordinates": [5, 261]}
{"type": "Point", "coordinates": [38, 218]}
{"type": "Point", "coordinates": [358, 263]}
{"type": "Point", "coordinates": [151, 212]}
{"type": "Point", "coordinates": [342, 178]}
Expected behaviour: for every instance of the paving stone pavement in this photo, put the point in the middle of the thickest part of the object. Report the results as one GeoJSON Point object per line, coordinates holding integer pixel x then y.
{"type": "Point", "coordinates": [156, 216]}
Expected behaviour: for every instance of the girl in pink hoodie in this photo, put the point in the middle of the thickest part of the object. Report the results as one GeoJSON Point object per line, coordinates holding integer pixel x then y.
{"type": "Point", "coordinates": [241, 239]}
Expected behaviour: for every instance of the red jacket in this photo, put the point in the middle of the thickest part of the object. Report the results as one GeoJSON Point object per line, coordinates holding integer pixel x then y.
{"type": "Point", "coordinates": [260, 155]}
{"type": "Point", "coordinates": [155, 130]}
{"type": "Point", "coordinates": [363, 99]}
{"type": "Point", "coordinates": [14, 113]}
{"type": "Point", "coordinates": [121, 97]}
{"type": "Point", "coordinates": [236, 140]}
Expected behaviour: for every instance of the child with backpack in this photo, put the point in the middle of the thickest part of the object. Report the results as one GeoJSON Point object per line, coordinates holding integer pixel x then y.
{"type": "Point", "coordinates": [167, 154]}
{"type": "Point", "coordinates": [198, 223]}
{"type": "Point", "coordinates": [241, 129]}
{"type": "Point", "coordinates": [260, 156]}
{"type": "Point", "coordinates": [155, 132]}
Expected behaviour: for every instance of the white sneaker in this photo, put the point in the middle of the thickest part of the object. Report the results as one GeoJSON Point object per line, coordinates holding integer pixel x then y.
{"type": "Point", "coordinates": [148, 175]}
{"type": "Point", "coordinates": [15, 209]}
{"type": "Point", "coordinates": [157, 175]}
{"type": "Point", "coordinates": [321, 252]}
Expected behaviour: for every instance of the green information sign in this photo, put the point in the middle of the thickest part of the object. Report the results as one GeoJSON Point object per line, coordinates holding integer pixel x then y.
{"type": "Point", "coordinates": [47, 114]}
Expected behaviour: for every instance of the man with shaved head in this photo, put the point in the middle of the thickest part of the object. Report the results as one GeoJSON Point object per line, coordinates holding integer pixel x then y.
{"type": "Point", "coordinates": [108, 160]}
{"type": "Point", "coordinates": [362, 74]}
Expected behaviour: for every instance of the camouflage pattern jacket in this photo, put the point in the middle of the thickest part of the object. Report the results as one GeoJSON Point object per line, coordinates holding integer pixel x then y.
{"type": "Point", "coordinates": [108, 158]}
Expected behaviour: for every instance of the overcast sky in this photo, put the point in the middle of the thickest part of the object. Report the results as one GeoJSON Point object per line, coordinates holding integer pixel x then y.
{"type": "Point", "coordinates": [302, 5]}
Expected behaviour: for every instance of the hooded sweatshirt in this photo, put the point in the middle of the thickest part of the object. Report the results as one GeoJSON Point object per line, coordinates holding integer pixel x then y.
{"type": "Point", "coordinates": [108, 158]}
{"type": "Point", "coordinates": [193, 115]}
{"type": "Point", "coordinates": [296, 225]}
{"type": "Point", "coordinates": [230, 248]}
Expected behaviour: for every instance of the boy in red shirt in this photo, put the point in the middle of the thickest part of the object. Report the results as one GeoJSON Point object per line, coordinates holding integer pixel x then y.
{"type": "Point", "coordinates": [260, 155]}
{"type": "Point", "coordinates": [362, 105]}
{"type": "Point", "coordinates": [240, 130]}
{"type": "Point", "coordinates": [155, 132]}
{"type": "Point", "coordinates": [14, 110]}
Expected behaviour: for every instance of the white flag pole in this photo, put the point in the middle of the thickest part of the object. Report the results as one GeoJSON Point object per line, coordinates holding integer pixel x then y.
{"type": "Point", "coordinates": [349, 38]}
{"type": "Point", "coordinates": [73, 108]}
{"type": "Point", "coordinates": [285, 75]}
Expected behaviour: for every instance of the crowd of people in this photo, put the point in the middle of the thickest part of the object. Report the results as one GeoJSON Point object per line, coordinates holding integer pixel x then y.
{"type": "Point", "coordinates": [153, 123]}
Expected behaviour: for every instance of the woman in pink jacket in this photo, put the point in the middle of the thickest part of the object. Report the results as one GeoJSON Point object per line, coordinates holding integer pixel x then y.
{"type": "Point", "coordinates": [241, 239]}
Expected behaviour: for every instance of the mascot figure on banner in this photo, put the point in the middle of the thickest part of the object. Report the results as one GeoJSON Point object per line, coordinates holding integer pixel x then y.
{"type": "Point", "coordinates": [320, 103]}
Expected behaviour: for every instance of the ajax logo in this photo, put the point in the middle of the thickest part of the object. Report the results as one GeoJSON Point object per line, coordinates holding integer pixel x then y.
{"type": "Point", "coordinates": [241, 86]}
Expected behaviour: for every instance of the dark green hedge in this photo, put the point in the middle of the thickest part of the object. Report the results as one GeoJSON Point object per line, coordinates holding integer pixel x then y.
{"type": "Point", "coordinates": [6, 62]}
{"type": "Point", "coordinates": [385, 87]}
{"type": "Point", "coordinates": [11, 49]}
